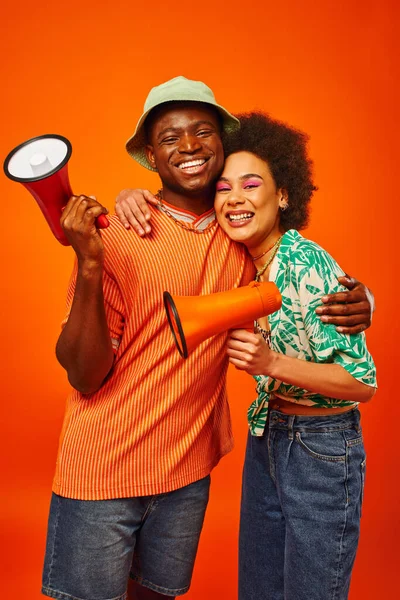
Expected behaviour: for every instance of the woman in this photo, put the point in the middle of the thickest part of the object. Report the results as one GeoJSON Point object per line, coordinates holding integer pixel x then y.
{"type": "Point", "coordinates": [305, 461]}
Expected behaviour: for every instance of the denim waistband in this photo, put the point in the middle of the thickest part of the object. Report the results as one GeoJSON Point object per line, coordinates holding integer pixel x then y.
{"type": "Point", "coordinates": [347, 420]}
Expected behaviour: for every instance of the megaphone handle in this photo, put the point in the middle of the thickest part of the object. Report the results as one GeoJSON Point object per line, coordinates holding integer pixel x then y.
{"type": "Point", "coordinates": [248, 326]}
{"type": "Point", "coordinates": [102, 222]}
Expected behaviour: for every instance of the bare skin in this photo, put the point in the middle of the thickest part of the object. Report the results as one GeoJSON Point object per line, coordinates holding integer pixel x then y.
{"type": "Point", "coordinates": [84, 346]}
{"type": "Point", "coordinates": [249, 352]}
{"type": "Point", "coordinates": [351, 312]}
{"type": "Point", "coordinates": [179, 137]}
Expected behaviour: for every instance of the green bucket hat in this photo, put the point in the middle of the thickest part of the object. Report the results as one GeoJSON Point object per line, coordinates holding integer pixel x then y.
{"type": "Point", "coordinates": [177, 89]}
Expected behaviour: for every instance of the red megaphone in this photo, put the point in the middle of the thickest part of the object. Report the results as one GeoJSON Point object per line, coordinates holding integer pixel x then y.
{"type": "Point", "coordinates": [41, 165]}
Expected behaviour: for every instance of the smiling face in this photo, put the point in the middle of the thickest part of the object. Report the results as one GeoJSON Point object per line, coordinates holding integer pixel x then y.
{"type": "Point", "coordinates": [247, 201]}
{"type": "Point", "coordinates": [185, 147]}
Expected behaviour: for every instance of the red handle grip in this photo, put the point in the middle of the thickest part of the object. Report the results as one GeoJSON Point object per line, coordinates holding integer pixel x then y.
{"type": "Point", "coordinates": [102, 222]}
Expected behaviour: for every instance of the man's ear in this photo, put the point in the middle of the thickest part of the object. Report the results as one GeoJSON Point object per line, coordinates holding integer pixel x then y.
{"type": "Point", "coordinates": [149, 150]}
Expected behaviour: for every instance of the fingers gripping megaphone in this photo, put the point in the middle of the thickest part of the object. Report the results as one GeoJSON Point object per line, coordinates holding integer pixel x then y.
{"type": "Point", "coordinates": [193, 319]}
{"type": "Point", "coordinates": [41, 165]}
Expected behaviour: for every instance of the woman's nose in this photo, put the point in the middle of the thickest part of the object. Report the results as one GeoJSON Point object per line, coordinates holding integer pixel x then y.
{"type": "Point", "coordinates": [235, 197]}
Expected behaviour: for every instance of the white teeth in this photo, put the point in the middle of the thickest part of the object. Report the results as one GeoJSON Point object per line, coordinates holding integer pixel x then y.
{"type": "Point", "coordinates": [241, 217]}
{"type": "Point", "coordinates": [192, 163]}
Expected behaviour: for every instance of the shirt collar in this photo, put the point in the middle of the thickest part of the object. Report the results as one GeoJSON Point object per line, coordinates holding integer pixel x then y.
{"type": "Point", "coordinates": [191, 220]}
{"type": "Point", "coordinates": [282, 256]}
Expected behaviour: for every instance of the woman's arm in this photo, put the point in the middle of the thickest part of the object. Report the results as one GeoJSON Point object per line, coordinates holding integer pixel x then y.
{"type": "Point", "coordinates": [132, 210]}
{"type": "Point", "coordinates": [249, 352]}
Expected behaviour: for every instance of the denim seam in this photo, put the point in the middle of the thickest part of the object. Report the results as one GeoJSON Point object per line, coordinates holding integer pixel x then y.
{"type": "Point", "coordinates": [307, 429]}
{"type": "Point", "coordinates": [355, 442]}
{"type": "Point", "coordinates": [157, 588]}
{"type": "Point", "coordinates": [63, 596]}
{"type": "Point", "coordinates": [335, 590]}
{"type": "Point", "coordinates": [290, 427]}
{"type": "Point", "coordinates": [315, 454]}
{"type": "Point", "coordinates": [362, 467]}
{"type": "Point", "coordinates": [53, 552]}
{"type": "Point", "coordinates": [149, 508]}
{"type": "Point", "coordinates": [271, 456]}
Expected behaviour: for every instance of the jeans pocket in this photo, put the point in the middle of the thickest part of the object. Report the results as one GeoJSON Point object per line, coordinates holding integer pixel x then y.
{"type": "Point", "coordinates": [328, 446]}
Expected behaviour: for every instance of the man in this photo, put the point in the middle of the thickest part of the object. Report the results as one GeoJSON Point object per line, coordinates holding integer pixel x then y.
{"type": "Point", "coordinates": [143, 429]}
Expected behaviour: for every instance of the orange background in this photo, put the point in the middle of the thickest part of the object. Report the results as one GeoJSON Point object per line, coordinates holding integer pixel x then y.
{"type": "Point", "coordinates": [83, 70]}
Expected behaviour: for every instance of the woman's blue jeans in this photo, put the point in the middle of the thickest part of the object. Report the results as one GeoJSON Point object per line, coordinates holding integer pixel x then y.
{"type": "Point", "coordinates": [302, 492]}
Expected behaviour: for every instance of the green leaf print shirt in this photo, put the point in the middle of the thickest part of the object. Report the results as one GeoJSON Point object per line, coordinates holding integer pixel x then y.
{"type": "Point", "coordinates": [304, 272]}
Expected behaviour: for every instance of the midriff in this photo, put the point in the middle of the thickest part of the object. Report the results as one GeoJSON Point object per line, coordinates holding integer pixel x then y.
{"type": "Point", "coordinates": [292, 408]}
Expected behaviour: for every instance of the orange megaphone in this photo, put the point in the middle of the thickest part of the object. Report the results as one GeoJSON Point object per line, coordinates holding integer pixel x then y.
{"type": "Point", "coordinates": [193, 319]}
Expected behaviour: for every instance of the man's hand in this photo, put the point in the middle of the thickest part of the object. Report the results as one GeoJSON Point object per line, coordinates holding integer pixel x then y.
{"type": "Point", "coordinates": [350, 311]}
{"type": "Point", "coordinates": [78, 222]}
{"type": "Point", "coordinates": [132, 210]}
{"type": "Point", "coordinates": [249, 352]}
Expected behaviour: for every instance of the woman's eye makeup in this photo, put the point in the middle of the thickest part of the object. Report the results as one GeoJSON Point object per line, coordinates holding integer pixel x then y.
{"type": "Point", "coordinates": [222, 187]}
{"type": "Point", "coordinates": [248, 184]}
{"type": "Point", "coordinates": [251, 183]}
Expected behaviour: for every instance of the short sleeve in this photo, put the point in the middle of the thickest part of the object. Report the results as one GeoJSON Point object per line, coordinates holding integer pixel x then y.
{"type": "Point", "coordinates": [113, 303]}
{"type": "Point", "coordinates": [314, 274]}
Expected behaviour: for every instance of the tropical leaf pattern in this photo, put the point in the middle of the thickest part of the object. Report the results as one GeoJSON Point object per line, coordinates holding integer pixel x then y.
{"type": "Point", "coordinates": [304, 272]}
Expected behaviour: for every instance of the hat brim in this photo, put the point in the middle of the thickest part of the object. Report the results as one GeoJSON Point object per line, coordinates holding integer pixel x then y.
{"type": "Point", "coordinates": [136, 144]}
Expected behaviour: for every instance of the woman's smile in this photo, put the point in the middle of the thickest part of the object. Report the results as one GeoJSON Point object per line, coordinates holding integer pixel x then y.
{"type": "Point", "coordinates": [247, 200]}
{"type": "Point", "coordinates": [239, 218]}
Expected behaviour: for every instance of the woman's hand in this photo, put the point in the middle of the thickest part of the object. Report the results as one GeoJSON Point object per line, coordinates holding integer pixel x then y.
{"type": "Point", "coordinates": [350, 311]}
{"type": "Point", "coordinates": [132, 210]}
{"type": "Point", "coordinates": [249, 352]}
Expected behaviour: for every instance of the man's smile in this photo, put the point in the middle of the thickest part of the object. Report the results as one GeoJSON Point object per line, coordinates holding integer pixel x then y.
{"type": "Point", "coordinates": [193, 166]}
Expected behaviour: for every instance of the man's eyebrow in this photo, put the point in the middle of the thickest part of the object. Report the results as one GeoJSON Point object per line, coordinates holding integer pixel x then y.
{"type": "Point", "coordinates": [204, 123]}
{"type": "Point", "coordinates": [179, 129]}
{"type": "Point", "coordinates": [243, 177]}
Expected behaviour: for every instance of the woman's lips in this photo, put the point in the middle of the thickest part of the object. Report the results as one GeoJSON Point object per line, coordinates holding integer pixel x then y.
{"type": "Point", "coordinates": [239, 219]}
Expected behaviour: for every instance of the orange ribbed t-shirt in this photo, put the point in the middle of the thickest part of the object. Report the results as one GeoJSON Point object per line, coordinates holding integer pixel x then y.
{"type": "Point", "coordinates": [159, 422]}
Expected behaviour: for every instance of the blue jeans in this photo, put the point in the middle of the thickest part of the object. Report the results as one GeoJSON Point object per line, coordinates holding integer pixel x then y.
{"type": "Point", "coordinates": [302, 492]}
{"type": "Point", "coordinates": [94, 545]}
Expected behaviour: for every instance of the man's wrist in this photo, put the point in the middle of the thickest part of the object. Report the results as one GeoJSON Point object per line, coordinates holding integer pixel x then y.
{"type": "Point", "coordinates": [89, 269]}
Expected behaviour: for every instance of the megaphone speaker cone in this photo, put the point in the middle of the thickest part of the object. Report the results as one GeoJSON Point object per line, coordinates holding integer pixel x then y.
{"type": "Point", "coordinates": [175, 325]}
{"type": "Point", "coordinates": [37, 158]}
{"type": "Point", "coordinates": [41, 165]}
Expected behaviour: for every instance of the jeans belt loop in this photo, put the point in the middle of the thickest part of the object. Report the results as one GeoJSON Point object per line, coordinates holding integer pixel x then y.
{"type": "Point", "coordinates": [290, 425]}
{"type": "Point", "coordinates": [356, 420]}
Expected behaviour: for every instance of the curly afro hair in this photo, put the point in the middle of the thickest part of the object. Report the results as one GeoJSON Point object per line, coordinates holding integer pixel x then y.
{"type": "Point", "coordinates": [284, 149]}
